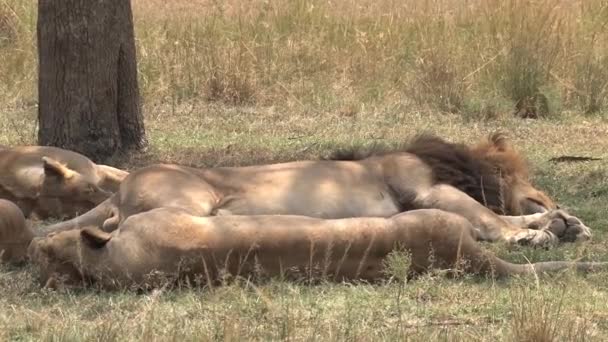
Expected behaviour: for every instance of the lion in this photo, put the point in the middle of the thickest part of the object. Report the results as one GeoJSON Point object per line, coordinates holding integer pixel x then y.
{"type": "Point", "coordinates": [49, 182]}
{"type": "Point", "coordinates": [175, 244]}
{"type": "Point", "coordinates": [487, 184]}
{"type": "Point", "coordinates": [15, 234]}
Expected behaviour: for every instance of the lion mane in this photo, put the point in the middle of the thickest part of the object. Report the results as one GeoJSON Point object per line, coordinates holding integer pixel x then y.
{"type": "Point", "coordinates": [488, 171]}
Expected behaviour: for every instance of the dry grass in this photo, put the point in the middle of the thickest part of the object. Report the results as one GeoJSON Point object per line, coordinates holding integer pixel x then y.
{"type": "Point", "coordinates": [478, 58]}
{"type": "Point", "coordinates": [242, 82]}
{"type": "Point", "coordinates": [565, 307]}
{"type": "Point", "coordinates": [432, 307]}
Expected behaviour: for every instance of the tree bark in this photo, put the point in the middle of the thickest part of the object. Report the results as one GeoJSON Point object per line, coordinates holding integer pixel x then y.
{"type": "Point", "coordinates": [88, 92]}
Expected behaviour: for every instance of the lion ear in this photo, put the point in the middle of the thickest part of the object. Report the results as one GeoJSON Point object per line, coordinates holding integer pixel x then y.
{"type": "Point", "coordinates": [95, 237]}
{"type": "Point", "coordinates": [111, 177]}
{"type": "Point", "coordinates": [499, 140]}
{"type": "Point", "coordinates": [46, 249]}
{"type": "Point", "coordinates": [54, 168]}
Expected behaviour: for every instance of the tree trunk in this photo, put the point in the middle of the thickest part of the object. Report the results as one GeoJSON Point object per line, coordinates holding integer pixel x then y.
{"type": "Point", "coordinates": [88, 92]}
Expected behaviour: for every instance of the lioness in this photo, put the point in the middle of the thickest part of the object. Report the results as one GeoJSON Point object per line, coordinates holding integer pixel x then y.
{"type": "Point", "coordinates": [428, 173]}
{"type": "Point", "coordinates": [175, 243]}
{"type": "Point", "coordinates": [15, 234]}
{"type": "Point", "coordinates": [52, 182]}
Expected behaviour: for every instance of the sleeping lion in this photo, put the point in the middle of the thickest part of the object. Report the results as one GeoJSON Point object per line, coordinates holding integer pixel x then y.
{"type": "Point", "coordinates": [175, 244]}
{"type": "Point", "coordinates": [49, 182]}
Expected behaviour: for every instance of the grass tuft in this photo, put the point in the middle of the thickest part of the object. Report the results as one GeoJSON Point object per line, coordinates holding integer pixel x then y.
{"type": "Point", "coordinates": [541, 316]}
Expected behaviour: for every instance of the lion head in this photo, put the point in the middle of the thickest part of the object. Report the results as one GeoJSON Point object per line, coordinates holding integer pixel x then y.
{"type": "Point", "coordinates": [519, 196]}
{"type": "Point", "coordinates": [62, 182]}
{"type": "Point", "coordinates": [63, 258]}
{"type": "Point", "coordinates": [492, 172]}
{"type": "Point", "coordinates": [56, 257]}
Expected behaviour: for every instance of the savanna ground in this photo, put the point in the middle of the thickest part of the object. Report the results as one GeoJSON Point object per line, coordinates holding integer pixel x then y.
{"type": "Point", "coordinates": [243, 82]}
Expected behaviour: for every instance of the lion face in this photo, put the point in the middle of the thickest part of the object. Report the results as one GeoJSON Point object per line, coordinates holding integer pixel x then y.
{"type": "Point", "coordinates": [519, 195]}
{"type": "Point", "coordinates": [55, 258]}
{"type": "Point", "coordinates": [64, 258]}
{"type": "Point", "coordinates": [526, 200]}
{"type": "Point", "coordinates": [62, 182]}
{"type": "Point", "coordinates": [67, 192]}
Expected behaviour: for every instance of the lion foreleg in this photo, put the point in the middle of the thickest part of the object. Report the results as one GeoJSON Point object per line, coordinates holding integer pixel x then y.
{"type": "Point", "coordinates": [523, 221]}
{"type": "Point", "coordinates": [488, 225]}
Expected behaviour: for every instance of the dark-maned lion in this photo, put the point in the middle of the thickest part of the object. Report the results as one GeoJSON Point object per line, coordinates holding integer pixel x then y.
{"type": "Point", "coordinates": [174, 243]}
{"type": "Point", "coordinates": [52, 182]}
{"type": "Point", "coordinates": [427, 173]}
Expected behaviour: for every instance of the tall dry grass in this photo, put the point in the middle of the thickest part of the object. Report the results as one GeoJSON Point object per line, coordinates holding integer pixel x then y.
{"type": "Point", "coordinates": [539, 315]}
{"type": "Point", "coordinates": [486, 58]}
{"type": "Point", "coordinates": [18, 74]}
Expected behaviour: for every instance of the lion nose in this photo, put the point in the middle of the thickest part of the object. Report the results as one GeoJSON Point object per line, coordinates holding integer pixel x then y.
{"type": "Point", "coordinates": [532, 207]}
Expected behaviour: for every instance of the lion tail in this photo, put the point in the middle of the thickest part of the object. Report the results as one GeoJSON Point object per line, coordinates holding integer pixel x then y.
{"type": "Point", "coordinates": [507, 269]}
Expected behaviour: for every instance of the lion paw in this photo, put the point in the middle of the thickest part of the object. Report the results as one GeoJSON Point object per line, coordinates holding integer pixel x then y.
{"type": "Point", "coordinates": [566, 227]}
